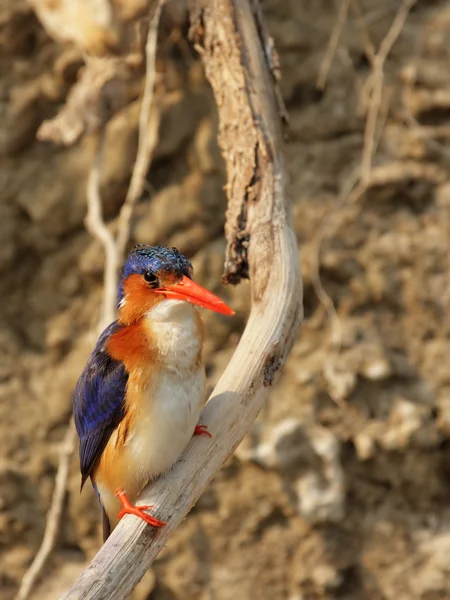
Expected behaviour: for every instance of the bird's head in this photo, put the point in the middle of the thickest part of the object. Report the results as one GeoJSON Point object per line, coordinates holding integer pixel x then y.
{"type": "Point", "coordinates": [154, 273]}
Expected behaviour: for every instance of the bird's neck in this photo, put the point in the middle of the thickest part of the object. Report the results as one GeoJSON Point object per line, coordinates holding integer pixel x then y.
{"type": "Point", "coordinates": [168, 336]}
{"type": "Point", "coordinates": [175, 330]}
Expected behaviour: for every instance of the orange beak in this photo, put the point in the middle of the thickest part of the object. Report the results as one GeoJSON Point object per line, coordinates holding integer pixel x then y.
{"type": "Point", "coordinates": [189, 291]}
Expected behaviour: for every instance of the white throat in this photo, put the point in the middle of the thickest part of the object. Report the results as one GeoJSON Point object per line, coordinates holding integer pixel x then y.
{"type": "Point", "coordinates": [174, 329]}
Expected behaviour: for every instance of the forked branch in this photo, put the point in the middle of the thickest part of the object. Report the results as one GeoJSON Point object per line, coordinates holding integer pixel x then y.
{"type": "Point", "coordinates": [261, 242]}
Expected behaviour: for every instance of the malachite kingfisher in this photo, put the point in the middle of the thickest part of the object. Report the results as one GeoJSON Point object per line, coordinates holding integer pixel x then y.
{"type": "Point", "coordinates": [138, 400]}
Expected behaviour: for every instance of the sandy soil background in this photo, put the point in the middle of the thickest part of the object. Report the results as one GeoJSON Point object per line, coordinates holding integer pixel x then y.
{"type": "Point", "coordinates": [342, 489]}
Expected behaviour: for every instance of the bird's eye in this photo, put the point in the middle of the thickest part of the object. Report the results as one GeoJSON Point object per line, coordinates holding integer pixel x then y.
{"type": "Point", "coordinates": [151, 279]}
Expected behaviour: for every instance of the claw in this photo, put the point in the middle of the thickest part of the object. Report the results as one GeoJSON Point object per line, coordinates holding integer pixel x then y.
{"type": "Point", "coordinates": [202, 430]}
{"type": "Point", "coordinates": [138, 511]}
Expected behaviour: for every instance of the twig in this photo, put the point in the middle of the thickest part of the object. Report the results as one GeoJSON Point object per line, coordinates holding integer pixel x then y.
{"type": "Point", "coordinates": [333, 43]}
{"type": "Point", "coordinates": [96, 226]}
{"type": "Point", "coordinates": [53, 516]}
{"type": "Point", "coordinates": [376, 84]}
{"type": "Point", "coordinates": [148, 138]}
{"type": "Point", "coordinates": [327, 222]}
{"type": "Point", "coordinates": [362, 25]}
{"type": "Point", "coordinates": [328, 219]}
{"type": "Point", "coordinates": [251, 140]}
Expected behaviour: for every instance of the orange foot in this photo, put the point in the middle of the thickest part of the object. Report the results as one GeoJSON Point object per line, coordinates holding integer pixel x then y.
{"type": "Point", "coordinates": [138, 511]}
{"type": "Point", "coordinates": [202, 430]}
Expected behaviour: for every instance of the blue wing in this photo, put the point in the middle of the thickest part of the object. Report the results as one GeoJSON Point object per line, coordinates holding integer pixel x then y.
{"type": "Point", "coordinates": [98, 402]}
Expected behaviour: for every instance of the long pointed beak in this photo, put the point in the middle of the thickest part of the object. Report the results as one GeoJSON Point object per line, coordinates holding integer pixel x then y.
{"type": "Point", "coordinates": [189, 291]}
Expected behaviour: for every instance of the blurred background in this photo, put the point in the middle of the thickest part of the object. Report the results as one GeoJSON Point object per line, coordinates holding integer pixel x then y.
{"type": "Point", "coordinates": [342, 488]}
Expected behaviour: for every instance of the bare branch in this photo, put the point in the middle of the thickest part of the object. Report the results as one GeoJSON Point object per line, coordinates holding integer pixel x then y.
{"type": "Point", "coordinates": [148, 138]}
{"type": "Point", "coordinates": [106, 85]}
{"type": "Point", "coordinates": [333, 43]}
{"type": "Point", "coordinates": [376, 81]}
{"type": "Point", "coordinates": [252, 145]}
{"type": "Point", "coordinates": [53, 516]}
{"type": "Point", "coordinates": [97, 227]}
{"type": "Point", "coordinates": [362, 25]}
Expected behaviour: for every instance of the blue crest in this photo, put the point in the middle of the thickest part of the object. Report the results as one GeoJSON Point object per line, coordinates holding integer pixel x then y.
{"type": "Point", "coordinates": [155, 259]}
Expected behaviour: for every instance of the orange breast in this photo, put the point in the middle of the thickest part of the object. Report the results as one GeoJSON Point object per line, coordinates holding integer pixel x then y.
{"type": "Point", "coordinates": [132, 346]}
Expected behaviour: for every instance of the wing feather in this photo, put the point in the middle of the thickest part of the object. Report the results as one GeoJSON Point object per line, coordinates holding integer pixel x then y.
{"type": "Point", "coordinates": [98, 402]}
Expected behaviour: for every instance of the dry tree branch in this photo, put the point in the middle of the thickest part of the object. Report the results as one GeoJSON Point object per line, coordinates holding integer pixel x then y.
{"type": "Point", "coordinates": [327, 223]}
{"type": "Point", "coordinates": [53, 516]}
{"type": "Point", "coordinates": [333, 43]}
{"type": "Point", "coordinates": [251, 141]}
{"type": "Point", "coordinates": [362, 25]}
{"type": "Point", "coordinates": [96, 226]}
{"type": "Point", "coordinates": [148, 138]}
{"type": "Point", "coordinates": [114, 247]}
{"type": "Point", "coordinates": [375, 86]}
{"type": "Point", "coordinates": [105, 85]}
{"type": "Point", "coordinates": [376, 83]}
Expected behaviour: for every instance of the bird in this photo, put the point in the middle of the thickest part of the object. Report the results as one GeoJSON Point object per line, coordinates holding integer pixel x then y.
{"type": "Point", "coordinates": [137, 402]}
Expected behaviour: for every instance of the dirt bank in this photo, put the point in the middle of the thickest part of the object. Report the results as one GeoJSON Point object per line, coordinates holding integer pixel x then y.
{"type": "Point", "coordinates": [343, 488]}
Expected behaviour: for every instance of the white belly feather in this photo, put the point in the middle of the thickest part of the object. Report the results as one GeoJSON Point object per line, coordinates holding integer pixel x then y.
{"type": "Point", "coordinates": [163, 431]}
{"type": "Point", "coordinates": [171, 409]}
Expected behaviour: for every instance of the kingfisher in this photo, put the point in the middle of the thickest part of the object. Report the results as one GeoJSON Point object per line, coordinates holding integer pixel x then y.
{"type": "Point", "coordinates": [138, 400]}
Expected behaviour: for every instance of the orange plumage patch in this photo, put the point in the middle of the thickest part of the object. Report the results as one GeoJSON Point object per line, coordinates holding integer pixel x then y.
{"type": "Point", "coordinates": [131, 346]}
{"type": "Point", "coordinates": [139, 299]}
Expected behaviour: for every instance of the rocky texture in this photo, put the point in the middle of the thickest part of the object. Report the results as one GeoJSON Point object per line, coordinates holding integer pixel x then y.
{"type": "Point", "coordinates": [324, 499]}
